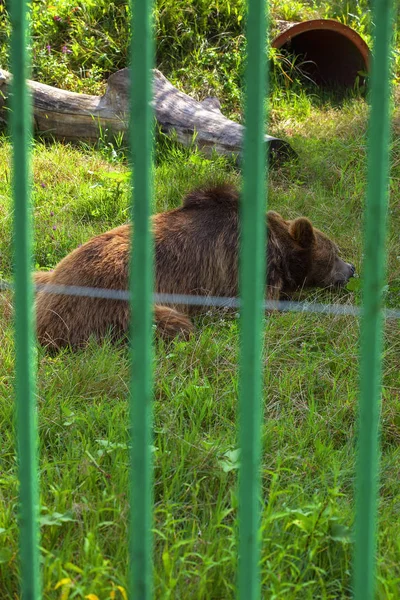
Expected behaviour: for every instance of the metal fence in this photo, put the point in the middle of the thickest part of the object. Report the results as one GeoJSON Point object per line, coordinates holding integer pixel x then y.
{"type": "Point", "coordinates": [252, 302]}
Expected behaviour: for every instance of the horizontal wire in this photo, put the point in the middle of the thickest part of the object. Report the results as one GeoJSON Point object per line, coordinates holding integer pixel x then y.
{"type": "Point", "coordinates": [205, 301]}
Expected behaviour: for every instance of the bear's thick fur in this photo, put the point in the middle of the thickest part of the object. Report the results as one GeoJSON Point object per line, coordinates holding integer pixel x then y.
{"type": "Point", "coordinates": [196, 252]}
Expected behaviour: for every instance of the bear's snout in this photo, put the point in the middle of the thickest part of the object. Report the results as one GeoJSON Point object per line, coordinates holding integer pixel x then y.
{"type": "Point", "coordinates": [351, 270]}
{"type": "Point", "coordinates": [343, 272]}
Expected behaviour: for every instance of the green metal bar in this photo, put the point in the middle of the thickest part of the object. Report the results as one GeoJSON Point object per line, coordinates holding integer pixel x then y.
{"type": "Point", "coordinates": [371, 329]}
{"type": "Point", "coordinates": [141, 285]}
{"type": "Point", "coordinates": [20, 121]}
{"type": "Point", "coordinates": [252, 287]}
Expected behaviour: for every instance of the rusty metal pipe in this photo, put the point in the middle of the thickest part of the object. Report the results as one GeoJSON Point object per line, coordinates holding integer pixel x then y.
{"type": "Point", "coordinates": [333, 53]}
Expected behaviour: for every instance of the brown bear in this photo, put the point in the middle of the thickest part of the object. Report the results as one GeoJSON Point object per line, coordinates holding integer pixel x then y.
{"type": "Point", "coordinates": [196, 252]}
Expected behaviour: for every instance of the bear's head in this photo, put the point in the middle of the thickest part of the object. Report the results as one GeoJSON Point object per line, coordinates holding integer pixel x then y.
{"type": "Point", "coordinates": [324, 267]}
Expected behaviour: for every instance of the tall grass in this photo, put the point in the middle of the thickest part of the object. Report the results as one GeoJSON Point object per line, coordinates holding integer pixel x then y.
{"type": "Point", "coordinates": [199, 43]}
{"type": "Point", "coordinates": [310, 361]}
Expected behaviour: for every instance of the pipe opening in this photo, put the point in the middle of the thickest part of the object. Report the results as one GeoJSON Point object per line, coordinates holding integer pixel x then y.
{"type": "Point", "coordinates": [331, 54]}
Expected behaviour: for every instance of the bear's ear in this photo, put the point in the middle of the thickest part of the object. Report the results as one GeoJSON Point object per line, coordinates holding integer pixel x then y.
{"type": "Point", "coordinates": [274, 215]}
{"type": "Point", "coordinates": [302, 231]}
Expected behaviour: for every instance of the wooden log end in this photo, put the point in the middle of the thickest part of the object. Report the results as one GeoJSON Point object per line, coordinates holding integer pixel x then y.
{"type": "Point", "coordinates": [279, 150]}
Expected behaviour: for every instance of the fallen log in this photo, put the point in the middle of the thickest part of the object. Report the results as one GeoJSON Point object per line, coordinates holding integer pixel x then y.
{"type": "Point", "coordinates": [70, 116]}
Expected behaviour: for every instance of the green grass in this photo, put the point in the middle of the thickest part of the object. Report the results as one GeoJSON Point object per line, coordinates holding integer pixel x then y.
{"type": "Point", "coordinates": [200, 44]}
{"type": "Point", "coordinates": [309, 430]}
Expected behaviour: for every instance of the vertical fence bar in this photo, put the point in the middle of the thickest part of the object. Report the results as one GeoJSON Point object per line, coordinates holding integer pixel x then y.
{"type": "Point", "coordinates": [141, 283]}
{"type": "Point", "coordinates": [25, 375]}
{"type": "Point", "coordinates": [252, 284]}
{"type": "Point", "coordinates": [371, 326]}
